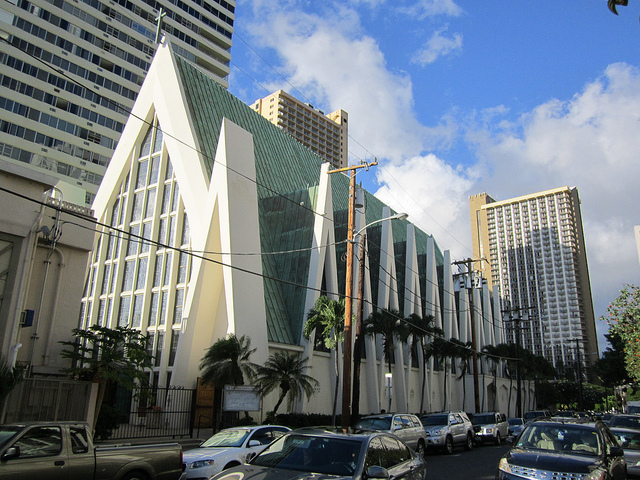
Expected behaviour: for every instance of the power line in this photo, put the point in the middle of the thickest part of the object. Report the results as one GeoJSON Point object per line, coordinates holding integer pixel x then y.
{"type": "Point", "coordinates": [150, 124]}
{"type": "Point", "coordinates": [139, 238]}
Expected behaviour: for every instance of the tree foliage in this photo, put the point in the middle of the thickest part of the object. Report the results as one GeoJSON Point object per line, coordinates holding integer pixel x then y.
{"type": "Point", "coordinates": [610, 368]}
{"type": "Point", "coordinates": [389, 325]}
{"type": "Point", "coordinates": [612, 4]}
{"type": "Point", "coordinates": [9, 378]}
{"type": "Point", "coordinates": [109, 357]}
{"type": "Point", "coordinates": [327, 318]}
{"type": "Point", "coordinates": [624, 321]}
{"type": "Point", "coordinates": [287, 373]}
{"type": "Point", "coordinates": [227, 362]}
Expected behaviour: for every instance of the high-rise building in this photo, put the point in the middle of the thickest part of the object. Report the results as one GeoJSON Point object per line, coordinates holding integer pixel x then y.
{"type": "Point", "coordinates": [71, 71]}
{"type": "Point", "coordinates": [535, 252]}
{"type": "Point", "coordinates": [327, 135]}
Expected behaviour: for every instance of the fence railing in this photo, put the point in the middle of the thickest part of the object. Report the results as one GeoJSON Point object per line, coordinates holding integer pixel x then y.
{"type": "Point", "coordinates": [156, 412]}
{"type": "Point", "coordinates": [39, 399]}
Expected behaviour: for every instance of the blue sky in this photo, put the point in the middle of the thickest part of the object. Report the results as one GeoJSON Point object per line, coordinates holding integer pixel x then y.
{"type": "Point", "coordinates": [456, 98]}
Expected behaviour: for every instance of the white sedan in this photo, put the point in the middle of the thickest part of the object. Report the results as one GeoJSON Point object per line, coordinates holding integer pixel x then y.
{"type": "Point", "coordinates": [227, 448]}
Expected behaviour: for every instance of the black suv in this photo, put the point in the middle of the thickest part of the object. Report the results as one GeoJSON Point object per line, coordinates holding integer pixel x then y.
{"type": "Point", "coordinates": [564, 448]}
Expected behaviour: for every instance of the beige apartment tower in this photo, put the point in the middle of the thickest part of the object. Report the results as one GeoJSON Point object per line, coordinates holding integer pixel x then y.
{"type": "Point", "coordinates": [536, 255]}
{"type": "Point", "coordinates": [327, 135]}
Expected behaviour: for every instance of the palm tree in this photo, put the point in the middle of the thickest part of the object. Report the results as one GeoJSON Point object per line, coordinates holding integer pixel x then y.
{"type": "Point", "coordinates": [226, 362]}
{"type": "Point", "coordinates": [444, 349]}
{"type": "Point", "coordinates": [420, 328]}
{"type": "Point", "coordinates": [463, 352]}
{"type": "Point", "coordinates": [327, 317]}
{"type": "Point", "coordinates": [493, 353]}
{"type": "Point", "coordinates": [389, 324]}
{"type": "Point", "coordinates": [286, 372]}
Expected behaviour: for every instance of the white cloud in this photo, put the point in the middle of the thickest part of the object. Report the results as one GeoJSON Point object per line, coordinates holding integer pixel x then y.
{"type": "Point", "coordinates": [437, 46]}
{"type": "Point", "coordinates": [429, 8]}
{"type": "Point", "coordinates": [339, 67]}
{"type": "Point", "coordinates": [590, 141]}
{"type": "Point", "coordinates": [434, 194]}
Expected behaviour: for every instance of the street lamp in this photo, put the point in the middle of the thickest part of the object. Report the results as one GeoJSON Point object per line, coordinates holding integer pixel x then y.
{"type": "Point", "coordinates": [347, 357]}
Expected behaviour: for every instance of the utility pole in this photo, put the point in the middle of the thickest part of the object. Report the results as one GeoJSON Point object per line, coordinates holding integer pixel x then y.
{"type": "Point", "coordinates": [517, 321]}
{"type": "Point", "coordinates": [474, 344]}
{"type": "Point", "coordinates": [357, 355]}
{"type": "Point", "coordinates": [348, 294]}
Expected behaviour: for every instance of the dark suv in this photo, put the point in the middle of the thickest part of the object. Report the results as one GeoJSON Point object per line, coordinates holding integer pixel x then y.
{"type": "Point", "coordinates": [564, 448]}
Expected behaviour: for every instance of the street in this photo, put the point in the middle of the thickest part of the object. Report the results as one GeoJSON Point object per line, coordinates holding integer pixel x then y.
{"type": "Point", "coordinates": [478, 464]}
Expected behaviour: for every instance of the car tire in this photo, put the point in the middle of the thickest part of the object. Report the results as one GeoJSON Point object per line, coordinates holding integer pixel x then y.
{"type": "Point", "coordinates": [468, 445]}
{"type": "Point", "coordinates": [136, 475]}
{"type": "Point", "coordinates": [421, 448]}
{"type": "Point", "coordinates": [498, 439]}
{"type": "Point", "coordinates": [448, 445]}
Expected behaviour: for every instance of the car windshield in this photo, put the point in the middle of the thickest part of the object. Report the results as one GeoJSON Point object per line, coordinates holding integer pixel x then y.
{"type": "Point", "coordinates": [532, 415]}
{"type": "Point", "coordinates": [232, 437]}
{"type": "Point", "coordinates": [620, 421]}
{"type": "Point", "coordinates": [434, 420]}
{"type": "Point", "coordinates": [481, 419]}
{"type": "Point", "coordinates": [311, 453]}
{"type": "Point", "coordinates": [7, 433]}
{"type": "Point", "coordinates": [561, 438]}
{"type": "Point", "coordinates": [628, 440]}
{"type": "Point", "coordinates": [374, 423]}
{"type": "Point", "coordinates": [515, 421]}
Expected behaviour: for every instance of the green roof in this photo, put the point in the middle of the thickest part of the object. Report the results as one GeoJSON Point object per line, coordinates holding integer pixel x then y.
{"type": "Point", "coordinates": [287, 175]}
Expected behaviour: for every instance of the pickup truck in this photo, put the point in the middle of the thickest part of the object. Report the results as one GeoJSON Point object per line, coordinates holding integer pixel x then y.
{"type": "Point", "coordinates": [65, 450]}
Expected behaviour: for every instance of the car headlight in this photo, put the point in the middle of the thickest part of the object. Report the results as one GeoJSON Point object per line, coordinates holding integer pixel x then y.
{"type": "Point", "coordinates": [488, 430]}
{"type": "Point", "coordinates": [437, 432]}
{"type": "Point", "coordinates": [504, 466]}
{"type": "Point", "coordinates": [201, 463]}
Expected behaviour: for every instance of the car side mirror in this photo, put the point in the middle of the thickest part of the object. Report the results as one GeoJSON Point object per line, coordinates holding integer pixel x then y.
{"type": "Point", "coordinates": [616, 451]}
{"type": "Point", "coordinates": [377, 472]}
{"type": "Point", "coordinates": [254, 443]}
{"type": "Point", "coordinates": [11, 453]}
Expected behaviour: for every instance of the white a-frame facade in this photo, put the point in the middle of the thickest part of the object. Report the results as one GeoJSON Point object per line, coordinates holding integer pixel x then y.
{"type": "Point", "coordinates": [215, 222]}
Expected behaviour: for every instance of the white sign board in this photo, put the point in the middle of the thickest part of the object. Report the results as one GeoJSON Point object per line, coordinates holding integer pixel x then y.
{"type": "Point", "coordinates": [243, 398]}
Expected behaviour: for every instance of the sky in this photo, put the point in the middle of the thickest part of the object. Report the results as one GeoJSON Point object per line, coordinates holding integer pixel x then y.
{"type": "Point", "coordinates": [459, 97]}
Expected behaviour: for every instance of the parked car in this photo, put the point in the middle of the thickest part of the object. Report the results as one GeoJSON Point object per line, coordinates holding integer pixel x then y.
{"type": "Point", "coordinates": [448, 429]}
{"type": "Point", "coordinates": [533, 414]}
{"type": "Point", "coordinates": [318, 454]}
{"type": "Point", "coordinates": [490, 427]}
{"type": "Point", "coordinates": [624, 420]}
{"type": "Point", "coordinates": [516, 424]}
{"type": "Point", "coordinates": [565, 414]}
{"type": "Point", "coordinates": [405, 426]}
{"type": "Point", "coordinates": [629, 440]}
{"type": "Point", "coordinates": [228, 448]}
{"type": "Point", "coordinates": [65, 450]}
{"type": "Point", "coordinates": [562, 448]}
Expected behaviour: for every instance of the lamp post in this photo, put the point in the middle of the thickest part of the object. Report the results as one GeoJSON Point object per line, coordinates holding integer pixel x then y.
{"type": "Point", "coordinates": [348, 308]}
{"type": "Point", "coordinates": [348, 305]}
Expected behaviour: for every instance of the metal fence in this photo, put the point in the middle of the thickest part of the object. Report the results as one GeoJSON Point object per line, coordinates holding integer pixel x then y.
{"type": "Point", "coordinates": [38, 399]}
{"type": "Point", "coordinates": [156, 412]}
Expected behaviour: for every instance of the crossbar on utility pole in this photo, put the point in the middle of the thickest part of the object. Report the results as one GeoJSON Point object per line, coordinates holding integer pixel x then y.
{"type": "Point", "coordinates": [348, 294]}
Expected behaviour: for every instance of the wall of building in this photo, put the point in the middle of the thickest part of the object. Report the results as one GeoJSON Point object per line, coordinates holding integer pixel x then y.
{"type": "Point", "coordinates": [49, 242]}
